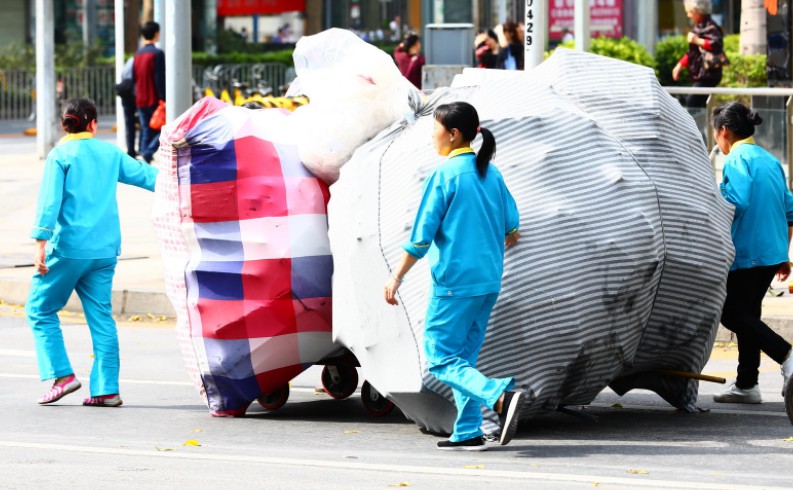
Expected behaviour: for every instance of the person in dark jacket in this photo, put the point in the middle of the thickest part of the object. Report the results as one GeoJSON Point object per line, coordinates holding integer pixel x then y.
{"type": "Point", "coordinates": [409, 59]}
{"type": "Point", "coordinates": [486, 46]}
{"type": "Point", "coordinates": [149, 74]}
{"type": "Point", "coordinates": [511, 57]}
{"type": "Point", "coordinates": [126, 91]}
{"type": "Point", "coordinates": [706, 35]}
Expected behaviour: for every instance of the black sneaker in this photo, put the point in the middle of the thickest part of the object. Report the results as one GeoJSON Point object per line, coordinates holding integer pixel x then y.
{"type": "Point", "coordinates": [510, 409]}
{"type": "Point", "coordinates": [788, 391]}
{"type": "Point", "coordinates": [473, 444]}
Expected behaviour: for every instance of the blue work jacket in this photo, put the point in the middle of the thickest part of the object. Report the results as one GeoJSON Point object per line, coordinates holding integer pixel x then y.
{"type": "Point", "coordinates": [755, 184]}
{"type": "Point", "coordinates": [77, 210]}
{"type": "Point", "coordinates": [462, 222]}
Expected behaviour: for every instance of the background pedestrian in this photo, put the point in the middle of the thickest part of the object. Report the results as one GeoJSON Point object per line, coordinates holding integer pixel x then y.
{"type": "Point", "coordinates": [705, 36]}
{"type": "Point", "coordinates": [149, 73]}
{"type": "Point", "coordinates": [409, 59]}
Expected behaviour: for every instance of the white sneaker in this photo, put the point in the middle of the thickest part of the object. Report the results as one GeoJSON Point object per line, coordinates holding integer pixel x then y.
{"type": "Point", "coordinates": [787, 370]}
{"type": "Point", "coordinates": [733, 394]}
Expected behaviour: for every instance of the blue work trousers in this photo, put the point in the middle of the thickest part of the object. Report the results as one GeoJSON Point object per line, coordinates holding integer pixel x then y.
{"type": "Point", "coordinates": [453, 335]}
{"type": "Point", "coordinates": [93, 281]}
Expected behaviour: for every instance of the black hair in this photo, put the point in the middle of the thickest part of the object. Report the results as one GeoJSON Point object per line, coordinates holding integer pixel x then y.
{"type": "Point", "coordinates": [737, 118]}
{"type": "Point", "coordinates": [77, 114]}
{"type": "Point", "coordinates": [411, 38]}
{"type": "Point", "coordinates": [463, 116]}
{"type": "Point", "coordinates": [492, 35]}
{"type": "Point", "coordinates": [149, 30]}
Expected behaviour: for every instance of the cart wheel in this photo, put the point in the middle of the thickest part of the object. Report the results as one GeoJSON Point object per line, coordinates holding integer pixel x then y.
{"type": "Point", "coordinates": [275, 399]}
{"type": "Point", "coordinates": [376, 404]}
{"type": "Point", "coordinates": [339, 381]}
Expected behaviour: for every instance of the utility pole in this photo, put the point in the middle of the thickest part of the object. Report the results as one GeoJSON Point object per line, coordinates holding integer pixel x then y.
{"type": "Point", "coordinates": [534, 40]}
{"type": "Point", "coordinates": [45, 77]}
{"type": "Point", "coordinates": [178, 58]}
{"type": "Point", "coordinates": [581, 27]}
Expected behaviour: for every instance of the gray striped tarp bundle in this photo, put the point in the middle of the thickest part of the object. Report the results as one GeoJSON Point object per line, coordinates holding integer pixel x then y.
{"type": "Point", "coordinates": [623, 259]}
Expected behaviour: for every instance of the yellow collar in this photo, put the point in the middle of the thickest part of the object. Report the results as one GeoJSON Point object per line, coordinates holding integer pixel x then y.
{"type": "Point", "coordinates": [76, 136]}
{"type": "Point", "coordinates": [747, 141]}
{"type": "Point", "coordinates": [460, 151]}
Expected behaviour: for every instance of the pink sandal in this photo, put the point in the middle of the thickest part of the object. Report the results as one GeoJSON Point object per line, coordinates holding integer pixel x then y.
{"type": "Point", "coordinates": [103, 401]}
{"type": "Point", "coordinates": [58, 391]}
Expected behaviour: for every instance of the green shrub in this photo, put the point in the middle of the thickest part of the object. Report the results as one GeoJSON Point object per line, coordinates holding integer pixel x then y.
{"type": "Point", "coordinates": [743, 71]}
{"type": "Point", "coordinates": [622, 49]}
{"type": "Point", "coordinates": [205, 59]}
{"type": "Point", "coordinates": [668, 52]}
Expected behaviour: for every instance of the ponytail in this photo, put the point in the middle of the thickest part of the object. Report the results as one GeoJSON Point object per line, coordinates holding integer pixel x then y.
{"type": "Point", "coordinates": [486, 152]}
{"type": "Point", "coordinates": [77, 114]}
{"type": "Point", "coordinates": [463, 116]}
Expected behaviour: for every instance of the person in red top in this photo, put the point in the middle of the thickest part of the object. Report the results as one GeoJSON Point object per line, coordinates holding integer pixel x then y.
{"type": "Point", "coordinates": [148, 71]}
{"type": "Point", "coordinates": [706, 35]}
{"type": "Point", "coordinates": [409, 59]}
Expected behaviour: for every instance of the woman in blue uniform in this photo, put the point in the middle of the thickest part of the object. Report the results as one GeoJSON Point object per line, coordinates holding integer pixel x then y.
{"type": "Point", "coordinates": [755, 184]}
{"type": "Point", "coordinates": [466, 218]}
{"type": "Point", "coordinates": [78, 238]}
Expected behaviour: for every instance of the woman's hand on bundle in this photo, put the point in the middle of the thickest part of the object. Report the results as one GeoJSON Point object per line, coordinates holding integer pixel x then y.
{"type": "Point", "coordinates": [511, 240]}
{"type": "Point", "coordinates": [391, 287]}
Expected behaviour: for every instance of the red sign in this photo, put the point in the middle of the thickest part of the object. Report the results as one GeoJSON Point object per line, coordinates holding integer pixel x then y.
{"type": "Point", "coordinates": [605, 18]}
{"type": "Point", "coordinates": [227, 8]}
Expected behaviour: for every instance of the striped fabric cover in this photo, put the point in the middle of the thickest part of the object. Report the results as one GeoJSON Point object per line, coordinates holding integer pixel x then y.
{"type": "Point", "coordinates": [249, 270]}
{"type": "Point", "coordinates": [624, 252]}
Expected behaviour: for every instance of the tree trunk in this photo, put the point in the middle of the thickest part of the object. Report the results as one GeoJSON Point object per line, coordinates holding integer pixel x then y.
{"type": "Point", "coordinates": [148, 11]}
{"type": "Point", "coordinates": [753, 27]}
{"type": "Point", "coordinates": [132, 26]}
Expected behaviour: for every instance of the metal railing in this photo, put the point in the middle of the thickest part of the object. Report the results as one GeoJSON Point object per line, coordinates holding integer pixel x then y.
{"type": "Point", "coordinates": [18, 86]}
{"type": "Point", "coordinates": [767, 135]}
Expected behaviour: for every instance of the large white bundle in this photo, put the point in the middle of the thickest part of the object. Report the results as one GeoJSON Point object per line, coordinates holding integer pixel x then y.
{"type": "Point", "coordinates": [613, 185]}
{"type": "Point", "coordinates": [355, 90]}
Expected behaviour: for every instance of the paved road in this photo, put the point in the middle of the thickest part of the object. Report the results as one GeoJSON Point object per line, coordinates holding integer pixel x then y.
{"type": "Point", "coordinates": [317, 442]}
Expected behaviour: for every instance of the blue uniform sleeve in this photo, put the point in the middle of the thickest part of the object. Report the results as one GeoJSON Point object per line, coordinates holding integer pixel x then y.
{"type": "Point", "coordinates": [134, 172]}
{"type": "Point", "coordinates": [736, 186]}
{"type": "Point", "coordinates": [511, 217]}
{"type": "Point", "coordinates": [789, 207]}
{"type": "Point", "coordinates": [50, 199]}
{"type": "Point", "coordinates": [428, 218]}
{"type": "Point", "coordinates": [159, 74]}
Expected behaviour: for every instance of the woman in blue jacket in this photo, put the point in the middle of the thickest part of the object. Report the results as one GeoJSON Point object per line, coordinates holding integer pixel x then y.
{"type": "Point", "coordinates": [755, 184]}
{"type": "Point", "coordinates": [466, 218]}
{"type": "Point", "coordinates": [78, 238]}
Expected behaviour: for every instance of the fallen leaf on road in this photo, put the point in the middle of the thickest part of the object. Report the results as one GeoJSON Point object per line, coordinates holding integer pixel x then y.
{"type": "Point", "coordinates": [134, 318]}
{"type": "Point", "coordinates": [617, 405]}
{"type": "Point", "coordinates": [789, 439]}
{"type": "Point", "coordinates": [474, 467]}
{"type": "Point", "coordinates": [718, 344]}
{"type": "Point", "coordinates": [150, 316]}
{"type": "Point", "coordinates": [197, 430]}
{"type": "Point", "coordinates": [732, 344]}
{"type": "Point", "coordinates": [595, 484]}
{"type": "Point", "coordinates": [639, 472]}
{"type": "Point", "coordinates": [162, 318]}
{"type": "Point", "coordinates": [163, 448]}
{"type": "Point", "coordinates": [401, 484]}
{"type": "Point", "coordinates": [191, 442]}
{"type": "Point", "coordinates": [351, 431]}
{"type": "Point", "coordinates": [535, 465]}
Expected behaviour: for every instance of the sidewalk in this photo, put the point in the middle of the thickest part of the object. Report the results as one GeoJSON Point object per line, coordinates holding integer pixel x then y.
{"type": "Point", "coordinates": [138, 288]}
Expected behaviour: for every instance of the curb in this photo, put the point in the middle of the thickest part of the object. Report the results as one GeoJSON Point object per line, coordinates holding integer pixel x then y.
{"type": "Point", "coordinates": [141, 302]}
{"type": "Point", "coordinates": [124, 301]}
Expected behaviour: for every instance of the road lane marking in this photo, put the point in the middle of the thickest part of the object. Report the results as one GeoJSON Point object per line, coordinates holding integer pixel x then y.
{"type": "Point", "coordinates": [391, 468]}
{"type": "Point", "coordinates": [146, 382]}
{"type": "Point", "coordinates": [17, 353]}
